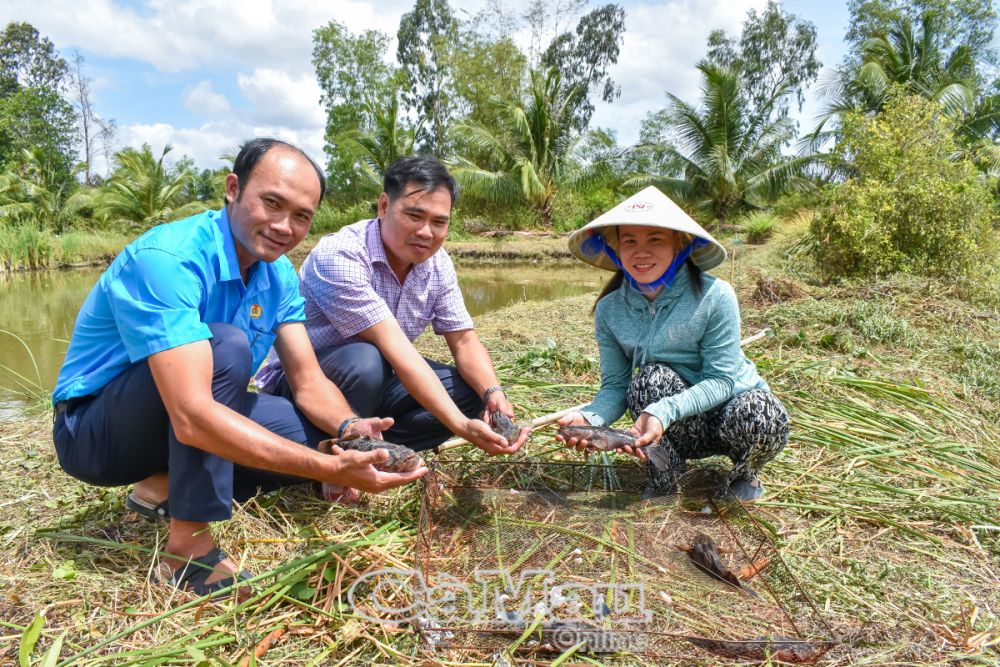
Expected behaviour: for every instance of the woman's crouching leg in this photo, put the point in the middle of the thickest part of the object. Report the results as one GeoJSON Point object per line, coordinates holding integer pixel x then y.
{"type": "Point", "coordinates": [684, 439]}
{"type": "Point", "coordinates": [753, 427]}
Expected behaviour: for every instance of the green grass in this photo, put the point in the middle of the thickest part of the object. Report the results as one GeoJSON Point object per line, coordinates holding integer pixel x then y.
{"type": "Point", "coordinates": [80, 247]}
{"type": "Point", "coordinates": [884, 504]}
{"type": "Point", "coordinates": [25, 247]}
{"type": "Point", "coordinates": [758, 227]}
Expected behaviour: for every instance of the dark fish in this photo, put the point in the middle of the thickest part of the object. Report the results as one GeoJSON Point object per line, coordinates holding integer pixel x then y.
{"type": "Point", "coordinates": [658, 456]}
{"type": "Point", "coordinates": [782, 649]}
{"type": "Point", "coordinates": [704, 553]}
{"type": "Point", "coordinates": [601, 438]}
{"type": "Point", "coordinates": [401, 459]}
{"type": "Point", "coordinates": [504, 425]}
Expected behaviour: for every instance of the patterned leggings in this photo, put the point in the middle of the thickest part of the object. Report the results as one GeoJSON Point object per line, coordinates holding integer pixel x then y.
{"type": "Point", "coordinates": [750, 428]}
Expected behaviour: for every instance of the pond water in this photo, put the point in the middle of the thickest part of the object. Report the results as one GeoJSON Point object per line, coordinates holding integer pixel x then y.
{"type": "Point", "coordinates": [39, 308]}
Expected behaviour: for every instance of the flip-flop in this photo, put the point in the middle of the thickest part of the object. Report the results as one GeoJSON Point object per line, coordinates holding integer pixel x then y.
{"type": "Point", "coordinates": [192, 575]}
{"type": "Point", "coordinates": [152, 512]}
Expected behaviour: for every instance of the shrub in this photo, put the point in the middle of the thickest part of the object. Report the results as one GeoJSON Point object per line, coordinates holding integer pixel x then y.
{"type": "Point", "coordinates": [486, 216]}
{"type": "Point", "coordinates": [911, 207]}
{"type": "Point", "coordinates": [328, 219]}
{"type": "Point", "coordinates": [758, 227]}
{"type": "Point", "coordinates": [574, 209]}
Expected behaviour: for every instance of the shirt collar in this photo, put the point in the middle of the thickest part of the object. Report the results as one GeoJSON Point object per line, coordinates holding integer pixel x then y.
{"type": "Point", "coordinates": [229, 263]}
{"type": "Point", "coordinates": [376, 250]}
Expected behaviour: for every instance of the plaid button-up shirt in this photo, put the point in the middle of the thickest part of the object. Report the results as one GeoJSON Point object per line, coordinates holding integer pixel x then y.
{"type": "Point", "coordinates": [349, 286]}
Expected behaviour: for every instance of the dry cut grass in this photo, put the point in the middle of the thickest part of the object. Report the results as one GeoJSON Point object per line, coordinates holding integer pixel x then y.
{"type": "Point", "coordinates": [883, 506]}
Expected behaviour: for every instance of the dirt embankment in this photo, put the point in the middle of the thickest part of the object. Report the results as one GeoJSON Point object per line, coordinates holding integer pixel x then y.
{"type": "Point", "coordinates": [516, 248]}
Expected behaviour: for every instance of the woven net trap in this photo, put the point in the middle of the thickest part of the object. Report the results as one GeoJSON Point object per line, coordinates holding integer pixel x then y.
{"type": "Point", "coordinates": [530, 558]}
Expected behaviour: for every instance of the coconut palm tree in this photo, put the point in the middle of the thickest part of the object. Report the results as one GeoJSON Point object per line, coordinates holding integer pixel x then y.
{"type": "Point", "coordinates": [43, 193]}
{"type": "Point", "coordinates": [144, 192]}
{"type": "Point", "coordinates": [730, 155]}
{"type": "Point", "coordinates": [916, 62]}
{"type": "Point", "coordinates": [375, 149]}
{"type": "Point", "coordinates": [525, 159]}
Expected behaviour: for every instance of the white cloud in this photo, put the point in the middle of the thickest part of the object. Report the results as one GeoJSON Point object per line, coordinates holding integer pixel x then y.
{"type": "Point", "coordinates": [281, 99]}
{"type": "Point", "coordinates": [266, 47]}
{"type": "Point", "coordinates": [204, 101]}
{"type": "Point", "coordinates": [173, 35]}
{"type": "Point", "coordinates": [207, 143]}
{"type": "Point", "coordinates": [663, 43]}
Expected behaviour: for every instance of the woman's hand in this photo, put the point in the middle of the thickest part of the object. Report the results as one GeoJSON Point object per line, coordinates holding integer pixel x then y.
{"type": "Point", "coordinates": [573, 419]}
{"type": "Point", "coordinates": [648, 430]}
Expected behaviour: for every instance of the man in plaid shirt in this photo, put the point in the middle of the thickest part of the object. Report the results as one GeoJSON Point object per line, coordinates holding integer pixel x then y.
{"type": "Point", "coordinates": [371, 289]}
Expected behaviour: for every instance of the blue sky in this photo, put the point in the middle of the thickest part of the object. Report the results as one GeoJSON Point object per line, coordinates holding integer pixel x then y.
{"type": "Point", "coordinates": [203, 75]}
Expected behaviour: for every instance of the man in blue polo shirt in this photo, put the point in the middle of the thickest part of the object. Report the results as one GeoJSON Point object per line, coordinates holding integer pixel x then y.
{"type": "Point", "coordinates": [153, 391]}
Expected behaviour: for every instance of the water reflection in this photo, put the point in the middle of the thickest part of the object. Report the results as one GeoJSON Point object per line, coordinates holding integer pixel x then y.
{"type": "Point", "coordinates": [41, 307]}
{"type": "Point", "coordinates": [489, 287]}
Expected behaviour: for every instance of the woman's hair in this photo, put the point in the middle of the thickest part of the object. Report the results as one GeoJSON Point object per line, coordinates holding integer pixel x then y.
{"type": "Point", "coordinates": [614, 283]}
{"type": "Point", "coordinates": [694, 273]}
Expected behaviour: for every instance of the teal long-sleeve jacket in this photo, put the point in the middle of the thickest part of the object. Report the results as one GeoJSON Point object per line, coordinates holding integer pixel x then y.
{"type": "Point", "coordinates": [698, 335]}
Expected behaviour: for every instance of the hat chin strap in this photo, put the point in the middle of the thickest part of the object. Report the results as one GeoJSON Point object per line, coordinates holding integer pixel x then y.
{"type": "Point", "coordinates": [596, 244]}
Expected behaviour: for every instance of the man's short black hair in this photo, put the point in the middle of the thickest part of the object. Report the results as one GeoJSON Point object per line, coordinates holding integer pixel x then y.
{"type": "Point", "coordinates": [426, 173]}
{"type": "Point", "coordinates": [252, 151]}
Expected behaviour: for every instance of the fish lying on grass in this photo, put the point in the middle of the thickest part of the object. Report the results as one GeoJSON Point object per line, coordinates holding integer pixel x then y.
{"type": "Point", "coordinates": [606, 439]}
{"type": "Point", "coordinates": [401, 459]}
{"type": "Point", "coordinates": [504, 425]}
{"type": "Point", "coordinates": [782, 649]}
{"type": "Point", "coordinates": [704, 553]}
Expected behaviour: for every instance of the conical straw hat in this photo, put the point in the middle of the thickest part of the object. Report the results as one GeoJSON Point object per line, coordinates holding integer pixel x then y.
{"type": "Point", "coordinates": [652, 208]}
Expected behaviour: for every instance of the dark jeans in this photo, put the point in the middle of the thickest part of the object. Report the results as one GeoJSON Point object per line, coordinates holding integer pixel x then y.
{"type": "Point", "coordinates": [372, 388]}
{"type": "Point", "coordinates": [123, 435]}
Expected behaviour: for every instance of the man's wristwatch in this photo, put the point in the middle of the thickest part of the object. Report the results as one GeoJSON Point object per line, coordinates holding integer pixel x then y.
{"type": "Point", "coordinates": [491, 390]}
{"type": "Point", "coordinates": [345, 425]}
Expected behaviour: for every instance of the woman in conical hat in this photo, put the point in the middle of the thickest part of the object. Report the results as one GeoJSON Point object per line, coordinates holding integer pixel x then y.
{"type": "Point", "coordinates": [669, 339]}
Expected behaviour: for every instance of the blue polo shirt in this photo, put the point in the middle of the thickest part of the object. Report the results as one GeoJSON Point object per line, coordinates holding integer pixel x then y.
{"type": "Point", "coordinates": [163, 289]}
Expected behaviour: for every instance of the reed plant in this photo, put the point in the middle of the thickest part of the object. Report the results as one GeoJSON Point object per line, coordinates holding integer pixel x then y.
{"type": "Point", "coordinates": [25, 246]}
{"type": "Point", "coordinates": [88, 246]}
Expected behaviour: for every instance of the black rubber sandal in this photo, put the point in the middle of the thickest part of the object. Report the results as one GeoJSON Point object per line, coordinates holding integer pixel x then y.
{"type": "Point", "coordinates": [159, 512]}
{"type": "Point", "coordinates": [192, 575]}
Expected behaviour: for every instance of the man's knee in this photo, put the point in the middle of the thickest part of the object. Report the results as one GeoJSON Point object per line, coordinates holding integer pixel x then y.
{"type": "Point", "coordinates": [231, 353]}
{"type": "Point", "coordinates": [462, 395]}
{"type": "Point", "coordinates": [356, 369]}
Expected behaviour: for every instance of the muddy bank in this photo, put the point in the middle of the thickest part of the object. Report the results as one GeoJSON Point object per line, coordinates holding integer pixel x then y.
{"type": "Point", "coordinates": [502, 249]}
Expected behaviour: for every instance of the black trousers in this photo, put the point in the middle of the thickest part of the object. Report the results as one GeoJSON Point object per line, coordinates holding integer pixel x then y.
{"type": "Point", "coordinates": [123, 435]}
{"type": "Point", "coordinates": [372, 388]}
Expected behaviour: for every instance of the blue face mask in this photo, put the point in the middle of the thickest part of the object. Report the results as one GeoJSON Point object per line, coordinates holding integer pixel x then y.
{"type": "Point", "coordinates": [596, 244]}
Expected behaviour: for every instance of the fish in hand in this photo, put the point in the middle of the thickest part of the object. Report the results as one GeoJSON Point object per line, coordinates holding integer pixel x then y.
{"type": "Point", "coordinates": [607, 439]}
{"type": "Point", "coordinates": [601, 438]}
{"type": "Point", "coordinates": [401, 459]}
{"type": "Point", "coordinates": [504, 425]}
